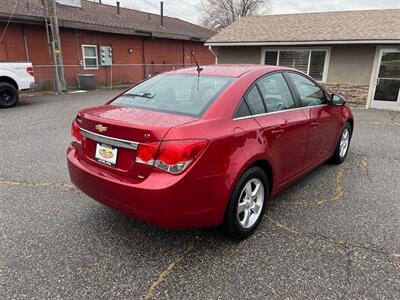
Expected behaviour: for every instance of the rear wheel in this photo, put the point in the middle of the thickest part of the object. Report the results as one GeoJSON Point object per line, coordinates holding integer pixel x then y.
{"type": "Point", "coordinates": [342, 148]}
{"type": "Point", "coordinates": [247, 204]}
{"type": "Point", "coordinates": [8, 95]}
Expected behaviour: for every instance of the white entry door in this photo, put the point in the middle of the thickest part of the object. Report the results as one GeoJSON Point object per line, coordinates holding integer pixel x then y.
{"type": "Point", "coordinates": [386, 92]}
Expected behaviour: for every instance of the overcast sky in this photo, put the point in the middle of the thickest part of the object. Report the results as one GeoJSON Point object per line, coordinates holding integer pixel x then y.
{"type": "Point", "coordinates": [190, 10]}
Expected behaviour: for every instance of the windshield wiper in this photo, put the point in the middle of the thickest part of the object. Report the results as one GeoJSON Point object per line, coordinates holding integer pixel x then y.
{"type": "Point", "coordinates": [142, 95]}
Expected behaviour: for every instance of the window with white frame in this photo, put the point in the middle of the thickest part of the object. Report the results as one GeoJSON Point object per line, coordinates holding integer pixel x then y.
{"type": "Point", "coordinates": [310, 61]}
{"type": "Point", "coordinates": [90, 59]}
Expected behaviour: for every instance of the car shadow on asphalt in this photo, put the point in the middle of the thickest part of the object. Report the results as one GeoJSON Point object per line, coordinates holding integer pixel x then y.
{"type": "Point", "coordinates": [310, 187]}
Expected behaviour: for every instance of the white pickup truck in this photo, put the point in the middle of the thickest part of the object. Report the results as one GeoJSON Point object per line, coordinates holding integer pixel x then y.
{"type": "Point", "coordinates": [14, 77]}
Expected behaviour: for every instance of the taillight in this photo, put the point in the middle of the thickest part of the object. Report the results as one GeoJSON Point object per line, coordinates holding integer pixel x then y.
{"type": "Point", "coordinates": [146, 153]}
{"type": "Point", "coordinates": [76, 131]}
{"type": "Point", "coordinates": [29, 70]}
{"type": "Point", "coordinates": [170, 156]}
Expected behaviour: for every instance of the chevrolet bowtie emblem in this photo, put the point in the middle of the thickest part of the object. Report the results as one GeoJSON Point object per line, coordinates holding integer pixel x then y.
{"type": "Point", "coordinates": [101, 128]}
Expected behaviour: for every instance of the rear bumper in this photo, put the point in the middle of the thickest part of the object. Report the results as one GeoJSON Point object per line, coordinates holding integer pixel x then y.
{"type": "Point", "coordinates": [28, 86]}
{"type": "Point", "coordinates": [161, 199]}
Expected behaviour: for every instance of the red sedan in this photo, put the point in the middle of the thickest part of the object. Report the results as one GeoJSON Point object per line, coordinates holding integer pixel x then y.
{"type": "Point", "coordinates": [207, 146]}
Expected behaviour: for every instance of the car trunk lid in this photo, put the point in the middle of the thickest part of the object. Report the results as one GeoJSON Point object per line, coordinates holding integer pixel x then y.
{"type": "Point", "coordinates": [123, 129]}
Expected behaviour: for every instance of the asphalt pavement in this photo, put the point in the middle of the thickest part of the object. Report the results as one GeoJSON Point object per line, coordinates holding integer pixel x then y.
{"type": "Point", "coordinates": [333, 234]}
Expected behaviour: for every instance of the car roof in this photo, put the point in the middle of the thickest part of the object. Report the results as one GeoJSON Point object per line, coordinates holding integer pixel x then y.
{"type": "Point", "coordinates": [228, 70]}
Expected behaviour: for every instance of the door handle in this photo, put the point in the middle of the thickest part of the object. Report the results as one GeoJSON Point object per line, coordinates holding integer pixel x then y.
{"type": "Point", "coordinates": [314, 124]}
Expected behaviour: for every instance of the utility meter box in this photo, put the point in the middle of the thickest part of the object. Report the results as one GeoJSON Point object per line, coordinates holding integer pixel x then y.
{"type": "Point", "coordinates": [105, 56]}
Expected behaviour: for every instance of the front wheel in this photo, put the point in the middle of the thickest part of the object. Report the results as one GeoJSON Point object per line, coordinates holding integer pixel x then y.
{"type": "Point", "coordinates": [8, 95]}
{"type": "Point", "coordinates": [247, 204]}
{"type": "Point", "coordinates": [342, 148]}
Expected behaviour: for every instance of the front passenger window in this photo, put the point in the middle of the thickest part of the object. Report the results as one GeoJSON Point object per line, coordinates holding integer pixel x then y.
{"type": "Point", "coordinates": [310, 93]}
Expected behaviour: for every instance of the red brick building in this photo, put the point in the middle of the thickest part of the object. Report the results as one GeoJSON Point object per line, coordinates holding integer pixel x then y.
{"type": "Point", "coordinates": [140, 46]}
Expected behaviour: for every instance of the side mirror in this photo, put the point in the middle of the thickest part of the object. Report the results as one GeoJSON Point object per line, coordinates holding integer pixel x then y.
{"type": "Point", "coordinates": [337, 99]}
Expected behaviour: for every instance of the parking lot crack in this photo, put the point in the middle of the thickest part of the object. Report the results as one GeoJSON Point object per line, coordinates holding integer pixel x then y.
{"type": "Point", "coordinates": [338, 190]}
{"type": "Point", "coordinates": [329, 240]}
{"type": "Point", "coordinates": [8, 182]}
{"type": "Point", "coordinates": [338, 195]}
{"type": "Point", "coordinates": [386, 124]}
{"type": "Point", "coordinates": [161, 277]}
{"type": "Point", "coordinates": [348, 269]}
{"type": "Point", "coordinates": [282, 226]}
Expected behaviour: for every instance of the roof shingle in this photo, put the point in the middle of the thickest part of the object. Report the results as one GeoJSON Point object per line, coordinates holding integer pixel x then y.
{"type": "Point", "coordinates": [327, 26]}
{"type": "Point", "coordinates": [101, 17]}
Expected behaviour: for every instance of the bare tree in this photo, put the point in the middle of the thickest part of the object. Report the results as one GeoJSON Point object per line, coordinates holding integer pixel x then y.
{"type": "Point", "coordinates": [218, 14]}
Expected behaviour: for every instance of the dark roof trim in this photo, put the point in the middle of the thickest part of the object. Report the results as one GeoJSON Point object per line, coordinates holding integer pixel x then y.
{"type": "Point", "coordinates": [294, 43]}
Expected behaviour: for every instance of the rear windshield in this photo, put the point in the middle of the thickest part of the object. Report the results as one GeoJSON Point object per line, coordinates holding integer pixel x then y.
{"type": "Point", "coordinates": [186, 94]}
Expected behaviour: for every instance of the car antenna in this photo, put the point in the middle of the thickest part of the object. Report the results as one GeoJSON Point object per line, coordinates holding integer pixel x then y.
{"type": "Point", "coordinates": [199, 69]}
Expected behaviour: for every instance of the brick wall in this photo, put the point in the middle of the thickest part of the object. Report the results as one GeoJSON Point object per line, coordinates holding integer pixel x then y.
{"type": "Point", "coordinates": [356, 94]}
{"type": "Point", "coordinates": [148, 56]}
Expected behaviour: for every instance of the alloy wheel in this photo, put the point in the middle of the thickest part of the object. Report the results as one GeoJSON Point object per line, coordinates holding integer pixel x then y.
{"type": "Point", "coordinates": [250, 203]}
{"type": "Point", "coordinates": [344, 142]}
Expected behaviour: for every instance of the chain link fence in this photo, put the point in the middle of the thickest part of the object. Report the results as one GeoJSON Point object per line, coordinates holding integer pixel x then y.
{"type": "Point", "coordinates": [106, 77]}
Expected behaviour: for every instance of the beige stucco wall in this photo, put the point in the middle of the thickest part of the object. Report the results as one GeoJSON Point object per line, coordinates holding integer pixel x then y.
{"type": "Point", "coordinates": [239, 55]}
{"type": "Point", "coordinates": [349, 71]}
{"type": "Point", "coordinates": [351, 64]}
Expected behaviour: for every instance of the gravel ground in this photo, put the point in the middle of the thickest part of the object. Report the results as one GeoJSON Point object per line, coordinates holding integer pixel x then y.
{"type": "Point", "coordinates": [333, 234]}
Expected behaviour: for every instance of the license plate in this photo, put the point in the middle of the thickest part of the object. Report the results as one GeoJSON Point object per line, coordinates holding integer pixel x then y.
{"type": "Point", "coordinates": [106, 154]}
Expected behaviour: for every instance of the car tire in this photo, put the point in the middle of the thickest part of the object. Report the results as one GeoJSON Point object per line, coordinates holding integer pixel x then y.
{"type": "Point", "coordinates": [343, 145]}
{"type": "Point", "coordinates": [246, 207]}
{"type": "Point", "coordinates": [8, 95]}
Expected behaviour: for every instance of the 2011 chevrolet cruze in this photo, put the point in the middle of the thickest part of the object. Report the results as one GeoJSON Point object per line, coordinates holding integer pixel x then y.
{"type": "Point", "coordinates": [207, 146]}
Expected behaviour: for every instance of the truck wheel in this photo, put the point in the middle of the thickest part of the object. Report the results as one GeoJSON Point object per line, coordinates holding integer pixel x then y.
{"type": "Point", "coordinates": [8, 95]}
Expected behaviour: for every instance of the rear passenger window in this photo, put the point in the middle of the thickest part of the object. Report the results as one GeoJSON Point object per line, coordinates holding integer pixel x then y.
{"type": "Point", "coordinates": [276, 93]}
{"type": "Point", "coordinates": [242, 110]}
{"type": "Point", "coordinates": [310, 93]}
{"type": "Point", "coordinates": [254, 100]}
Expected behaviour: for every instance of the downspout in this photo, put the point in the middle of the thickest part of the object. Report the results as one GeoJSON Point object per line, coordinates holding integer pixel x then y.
{"type": "Point", "coordinates": [212, 51]}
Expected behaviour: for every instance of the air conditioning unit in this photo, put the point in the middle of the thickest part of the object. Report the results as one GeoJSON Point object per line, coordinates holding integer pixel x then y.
{"type": "Point", "coordinates": [73, 3]}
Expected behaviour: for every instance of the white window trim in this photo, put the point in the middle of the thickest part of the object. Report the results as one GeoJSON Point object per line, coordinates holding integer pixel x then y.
{"type": "Point", "coordinates": [375, 72]}
{"type": "Point", "coordinates": [326, 63]}
{"type": "Point", "coordinates": [83, 57]}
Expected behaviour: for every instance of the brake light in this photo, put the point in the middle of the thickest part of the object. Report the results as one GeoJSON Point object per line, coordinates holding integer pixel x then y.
{"type": "Point", "coordinates": [147, 153]}
{"type": "Point", "coordinates": [29, 70]}
{"type": "Point", "coordinates": [171, 156]}
{"type": "Point", "coordinates": [76, 131]}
